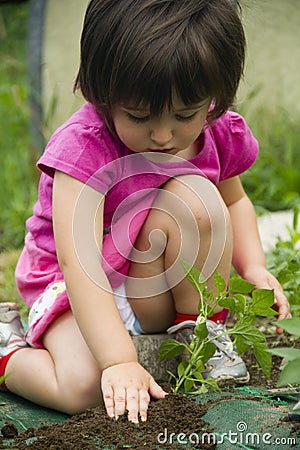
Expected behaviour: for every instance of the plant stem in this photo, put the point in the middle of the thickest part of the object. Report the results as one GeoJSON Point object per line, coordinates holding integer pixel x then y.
{"type": "Point", "coordinates": [189, 367]}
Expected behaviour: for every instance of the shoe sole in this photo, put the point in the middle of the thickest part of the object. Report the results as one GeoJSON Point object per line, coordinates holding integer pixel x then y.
{"type": "Point", "coordinates": [241, 380]}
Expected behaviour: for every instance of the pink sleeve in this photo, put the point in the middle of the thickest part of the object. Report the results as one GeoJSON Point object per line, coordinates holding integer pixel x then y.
{"type": "Point", "coordinates": [237, 147]}
{"type": "Point", "coordinates": [82, 152]}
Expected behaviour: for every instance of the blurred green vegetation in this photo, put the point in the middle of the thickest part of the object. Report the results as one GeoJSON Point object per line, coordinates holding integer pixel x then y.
{"type": "Point", "coordinates": [18, 174]}
{"type": "Point", "coordinates": [284, 262]}
{"type": "Point", "coordinates": [273, 182]}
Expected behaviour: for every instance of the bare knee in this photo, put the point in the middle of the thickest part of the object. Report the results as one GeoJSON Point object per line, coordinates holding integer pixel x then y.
{"type": "Point", "coordinates": [196, 207]}
{"type": "Point", "coordinates": [203, 226]}
{"type": "Point", "coordinates": [80, 393]}
{"type": "Point", "coordinates": [199, 194]}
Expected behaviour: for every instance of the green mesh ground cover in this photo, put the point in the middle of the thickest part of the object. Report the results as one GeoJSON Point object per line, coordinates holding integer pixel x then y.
{"type": "Point", "coordinates": [245, 418]}
{"type": "Point", "coordinates": [24, 414]}
{"type": "Point", "coordinates": [249, 418]}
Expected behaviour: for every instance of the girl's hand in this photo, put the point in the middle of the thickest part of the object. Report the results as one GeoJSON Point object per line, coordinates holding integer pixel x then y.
{"type": "Point", "coordinates": [128, 386]}
{"type": "Point", "coordinates": [263, 279]}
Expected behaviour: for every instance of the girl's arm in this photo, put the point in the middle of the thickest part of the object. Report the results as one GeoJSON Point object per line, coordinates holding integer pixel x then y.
{"type": "Point", "coordinates": [78, 219]}
{"type": "Point", "coordinates": [248, 255]}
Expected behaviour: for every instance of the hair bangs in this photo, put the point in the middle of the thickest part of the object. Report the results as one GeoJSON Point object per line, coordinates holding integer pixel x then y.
{"type": "Point", "coordinates": [162, 80]}
{"type": "Point", "coordinates": [145, 89]}
{"type": "Point", "coordinates": [193, 74]}
{"type": "Point", "coordinates": [153, 53]}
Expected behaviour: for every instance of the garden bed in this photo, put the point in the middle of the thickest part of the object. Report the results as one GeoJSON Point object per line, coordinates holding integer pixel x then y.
{"type": "Point", "coordinates": [239, 413]}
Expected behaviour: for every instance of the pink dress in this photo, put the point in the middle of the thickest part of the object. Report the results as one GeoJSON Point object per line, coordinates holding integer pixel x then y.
{"type": "Point", "coordinates": [84, 149]}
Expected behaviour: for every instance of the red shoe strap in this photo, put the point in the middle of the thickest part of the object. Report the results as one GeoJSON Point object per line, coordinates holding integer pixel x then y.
{"type": "Point", "coordinates": [183, 317]}
{"type": "Point", "coordinates": [220, 316]}
{"type": "Point", "coordinates": [217, 317]}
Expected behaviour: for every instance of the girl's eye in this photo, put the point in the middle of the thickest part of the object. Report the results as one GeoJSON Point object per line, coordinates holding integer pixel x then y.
{"type": "Point", "coordinates": [185, 118]}
{"type": "Point", "coordinates": [137, 119]}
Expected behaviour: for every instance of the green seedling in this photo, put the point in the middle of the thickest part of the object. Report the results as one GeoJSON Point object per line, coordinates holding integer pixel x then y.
{"type": "Point", "coordinates": [243, 300]}
{"type": "Point", "coordinates": [290, 374]}
{"type": "Point", "coordinates": [284, 262]}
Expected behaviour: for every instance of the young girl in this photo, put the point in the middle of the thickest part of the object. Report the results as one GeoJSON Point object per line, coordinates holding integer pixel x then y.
{"type": "Point", "coordinates": [144, 175]}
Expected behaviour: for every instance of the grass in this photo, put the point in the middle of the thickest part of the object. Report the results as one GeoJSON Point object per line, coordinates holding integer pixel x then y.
{"type": "Point", "coordinates": [18, 175]}
{"type": "Point", "coordinates": [8, 288]}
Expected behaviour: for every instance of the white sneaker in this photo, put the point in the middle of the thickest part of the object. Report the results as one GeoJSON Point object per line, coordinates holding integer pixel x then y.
{"type": "Point", "coordinates": [226, 364]}
{"type": "Point", "coordinates": [11, 329]}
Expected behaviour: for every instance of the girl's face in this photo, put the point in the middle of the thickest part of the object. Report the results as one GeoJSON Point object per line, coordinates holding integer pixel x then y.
{"type": "Point", "coordinates": [173, 132]}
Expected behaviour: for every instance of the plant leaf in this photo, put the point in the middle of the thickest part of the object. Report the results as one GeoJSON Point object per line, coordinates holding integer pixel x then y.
{"type": "Point", "coordinates": [212, 383]}
{"type": "Point", "coordinates": [228, 303]}
{"type": "Point", "coordinates": [181, 367]}
{"type": "Point", "coordinates": [262, 300]}
{"type": "Point", "coordinates": [240, 303]}
{"type": "Point", "coordinates": [199, 365]}
{"type": "Point", "coordinates": [240, 286]}
{"type": "Point", "coordinates": [170, 349]}
{"type": "Point", "coordinates": [263, 357]}
{"type": "Point", "coordinates": [199, 376]}
{"type": "Point", "coordinates": [242, 345]}
{"type": "Point", "coordinates": [220, 283]}
{"type": "Point", "coordinates": [201, 331]}
{"type": "Point", "coordinates": [292, 325]}
{"type": "Point", "coordinates": [188, 385]}
{"type": "Point", "coordinates": [248, 333]}
{"type": "Point", "coordinates": [285, 352]}
{"type": "Point", "coordinates": [194, 276]}
{"type": "Point", "coordinates": [202, 390]}
{"type": "Point", "coordinates": [208, 351]}
{"type": "Point", "coordinates": [290, 373]}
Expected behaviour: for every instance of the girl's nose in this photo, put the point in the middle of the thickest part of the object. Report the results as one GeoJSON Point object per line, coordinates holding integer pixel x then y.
{"type": "Point", "coordinates": [162, 135]}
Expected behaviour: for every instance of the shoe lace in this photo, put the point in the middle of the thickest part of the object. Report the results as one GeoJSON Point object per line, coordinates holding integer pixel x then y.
{"type": "Point", "coordinates": [223, 343]}
{"type": "Point", "coordinates": [185, 333]}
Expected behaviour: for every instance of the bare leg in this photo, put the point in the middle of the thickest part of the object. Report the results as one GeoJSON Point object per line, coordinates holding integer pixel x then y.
{"type": "Point", "coordinates": [64, 376]}
{"type": "Point", "coordinates": [187, 221]}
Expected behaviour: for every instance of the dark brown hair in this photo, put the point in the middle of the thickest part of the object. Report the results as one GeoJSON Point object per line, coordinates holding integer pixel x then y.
{"type": "Point", "coordinates": [143, 51]}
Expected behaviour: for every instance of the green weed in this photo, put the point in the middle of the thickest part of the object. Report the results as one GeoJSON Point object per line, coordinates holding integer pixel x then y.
{"type": "Point", "coordinates": [290, 374]}
{"type": "Point", "coordinates": [237, 299]}
{"type": "Point", "coordinates": [284, 262]}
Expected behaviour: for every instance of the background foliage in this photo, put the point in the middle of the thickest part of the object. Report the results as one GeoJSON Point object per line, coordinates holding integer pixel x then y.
{"type": "Point", "coordinates": [18, 173]}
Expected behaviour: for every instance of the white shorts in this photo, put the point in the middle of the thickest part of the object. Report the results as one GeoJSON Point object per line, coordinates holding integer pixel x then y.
{"type": "Point", "coordinates": [130, 321]}
{"type": "Point", "coordinates": [48, 302]}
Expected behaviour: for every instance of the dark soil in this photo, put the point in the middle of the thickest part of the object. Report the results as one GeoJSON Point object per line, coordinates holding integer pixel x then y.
{"type": "Point", "coordinates": [9, 431]}
{"type": "Point", "coordinates": [176, 414]}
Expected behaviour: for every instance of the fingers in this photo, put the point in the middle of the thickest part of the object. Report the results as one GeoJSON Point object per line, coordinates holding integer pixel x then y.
{"type": "Point", "coordinates": [119, 401]}
{"type": "Point", "coordinates": [127, 387]}
{"type": "Point", "coordinates": [135, 401]}
{"type": "Point", "coordinates": [280, 302]}
{"type": "Point", "coordinates": [108, 398]}
{"type": "Point", "coordinates": [144, 403]}
{"type": "Point", "coordinates": [268, 281]}
{"type": "Point", "coordinates": [282, 306]}
{"type": "Point", "coordinates": [156, 391]}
